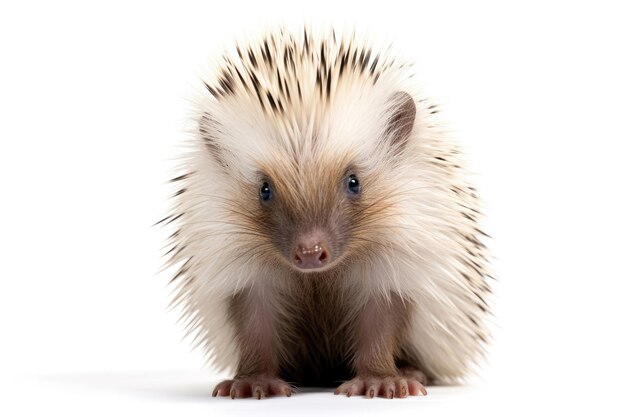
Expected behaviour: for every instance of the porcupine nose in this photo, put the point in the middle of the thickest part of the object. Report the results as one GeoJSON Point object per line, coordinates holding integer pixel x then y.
{"type": "Point", "coordinates": [311, 252]}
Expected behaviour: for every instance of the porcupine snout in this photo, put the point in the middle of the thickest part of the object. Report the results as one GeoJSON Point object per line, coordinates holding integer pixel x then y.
{"type": "Point", "coordinates": [311, 251]}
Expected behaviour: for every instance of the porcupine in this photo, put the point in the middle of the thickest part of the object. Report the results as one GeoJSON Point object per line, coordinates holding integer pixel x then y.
{"type": "Point", "coordinates": [327, 233]}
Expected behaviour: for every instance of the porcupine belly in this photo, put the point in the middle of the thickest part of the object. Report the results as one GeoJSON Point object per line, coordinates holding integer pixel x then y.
{"type": "Point", "coordinates": [319, 336]}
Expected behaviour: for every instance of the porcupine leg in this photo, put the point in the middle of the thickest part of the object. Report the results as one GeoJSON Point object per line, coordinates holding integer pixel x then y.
{"type": "Point", "coordinates": [257, 371]}
{"type": "Point", "coordinates": [412, 372]}
{"type": "Point", "coordinates": [376, 373]}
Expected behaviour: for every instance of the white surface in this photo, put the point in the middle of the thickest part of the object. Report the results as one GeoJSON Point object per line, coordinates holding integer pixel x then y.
{"type": "Point", "coordinates": [188, 394]}
{"type": "Point", "coordinates": [92, 105]}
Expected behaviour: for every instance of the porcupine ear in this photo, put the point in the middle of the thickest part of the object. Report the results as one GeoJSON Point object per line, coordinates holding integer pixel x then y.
{"type": "Point", "coordinates": [402, 113]}
{"type": "Point", "coordinates": [207, 128]}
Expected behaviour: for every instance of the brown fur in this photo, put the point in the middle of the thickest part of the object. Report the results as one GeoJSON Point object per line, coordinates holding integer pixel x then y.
{"type": "Point", "coordinates": [379, 332]}
{"type": "Point", "coordinates": [326, 338]}
{"type": "Point", "coordinates": [255, 336]}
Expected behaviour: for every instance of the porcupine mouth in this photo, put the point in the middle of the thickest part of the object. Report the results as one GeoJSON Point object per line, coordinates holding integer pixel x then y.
{"type": "Point", "coordinates": [324, 268]}
{"type": "Point", "coordinates": [333, 264]}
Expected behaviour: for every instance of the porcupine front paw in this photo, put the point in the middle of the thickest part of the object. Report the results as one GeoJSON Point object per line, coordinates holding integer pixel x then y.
{"type": "Point", "coordinates": [258, 386]}
{"type": "Point", "coordinates": [398, 386]}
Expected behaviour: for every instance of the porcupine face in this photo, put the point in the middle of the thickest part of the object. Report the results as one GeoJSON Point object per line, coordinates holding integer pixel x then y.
{"type": "Point", "coordinates": [311, 170]}
{"type": "Point", "coordinates": [310, 209]}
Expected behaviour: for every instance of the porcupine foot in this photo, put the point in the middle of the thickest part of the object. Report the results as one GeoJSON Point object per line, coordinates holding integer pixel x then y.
{"type": "Point", "coordinates": [258, 386]}
{"type": "Point", "coordinates": [398, 386]}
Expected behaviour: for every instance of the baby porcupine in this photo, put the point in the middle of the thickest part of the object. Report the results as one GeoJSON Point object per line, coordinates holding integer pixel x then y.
{"type": "Point", "coordinates": [326, 231]}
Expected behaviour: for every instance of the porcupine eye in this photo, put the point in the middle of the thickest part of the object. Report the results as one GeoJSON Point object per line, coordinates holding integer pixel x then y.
{"type": "Point", "coordinates": [265, 192]}
{"type": "Point", "coordinates": [353, 185]}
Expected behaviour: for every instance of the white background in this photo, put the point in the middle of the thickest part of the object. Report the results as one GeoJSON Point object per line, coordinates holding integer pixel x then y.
{"type": "Point", "coordinates": [92, 109]}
